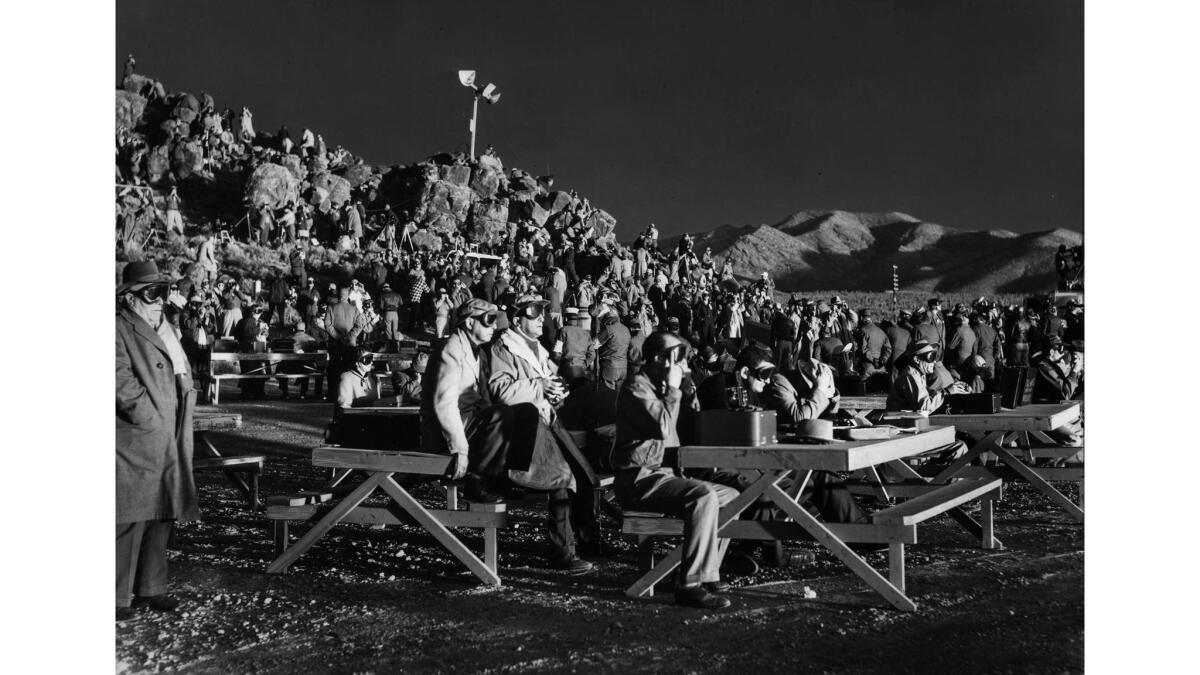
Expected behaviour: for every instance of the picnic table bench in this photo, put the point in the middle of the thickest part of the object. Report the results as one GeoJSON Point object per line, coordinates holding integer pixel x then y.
{"type": "Point", "coordinates": [229, 366]}
{"type": "Point", "coordinates": [895, 526]}
{"type": "Point", "coordinates": [210, 459]}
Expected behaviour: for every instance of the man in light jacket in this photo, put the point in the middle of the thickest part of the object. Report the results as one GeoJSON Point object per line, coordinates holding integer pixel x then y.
{"type": "Point", "coordinates": [154, 402]}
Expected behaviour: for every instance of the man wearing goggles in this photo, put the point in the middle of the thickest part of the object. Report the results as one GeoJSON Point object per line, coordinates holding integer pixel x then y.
{"type": "Point", "coordinates": [155, 400]}
{"type": "Point", "coordinates": [523, 376]}
{"type": "Point", "coordinates": [647, 414]}
{"type": "Point", "coordinates": [910, 391]}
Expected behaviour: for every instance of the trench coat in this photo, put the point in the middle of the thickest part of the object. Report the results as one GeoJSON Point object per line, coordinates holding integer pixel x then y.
{"type": "Point", "coordinates": [154, 429]}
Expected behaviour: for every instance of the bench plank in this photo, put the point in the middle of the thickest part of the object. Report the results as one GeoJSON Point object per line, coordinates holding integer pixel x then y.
{"type": "Point", "coordinates": [403, 461]}
{"type": "Point", "coordinates": [237, 463]}
{"type": "Point", "coordinates": [919, 509]}
{"type": "Point", "coordinates": [381, 515]}
{"type": "Point", "coordinates": [775, 530]}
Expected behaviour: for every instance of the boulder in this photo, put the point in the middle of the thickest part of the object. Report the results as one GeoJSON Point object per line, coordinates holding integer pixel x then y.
{"type": "Point", "coordinates": [272, 185]}
{"type": "Point", "coordinates": [555, 201]}
{"type": "Point", "coordinates": [317, 164]}
{"type": "Point", "coordinates": [455, 174]}
{"type": "Point", "coordinates": [603, 223]}
{"type": "Point", "coordinates": [445, 198]}
{"type": "Point", "coordinates": [491, 162]}
{"type": "Point", "coordinates": [486, 182]}
{"type": "Point", "coordinates": [337, 187]}
{"type": "Point", "coordinates": [186, 159]}
{"type": "Point", "coordinates": [294, 165]}
{"type": "Point", "coordinates": [135, 83]}
{"type": "Point", "coordinates": [357, 174]}
{"type": "Point", "coordinates": [186, 108]}
{"type": "Point", "coordinates": [489, 222]}
{"type": "Point", "coordinates": [158, 163]}
{"type": "Point", "coordinates": [129, 109]}
{"type": "Point", "coordinates": [441, 223]}
{"type": "Point", "coordinates": [539, 215]}
{"type": "Point", "coordinates": [427, 240]}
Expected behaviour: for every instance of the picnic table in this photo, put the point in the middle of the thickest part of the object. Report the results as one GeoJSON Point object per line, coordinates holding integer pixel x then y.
{"type": "Point", "coordinates": [1017, 424]}
{"type": "Point", "coordinates": [859, 406]}
{"type": "Point", "coordinates": [895, 526]}
{"type": "Point", "coordinates": [208, 458]}
{"type": "Point", "coordinates": [381, 467]}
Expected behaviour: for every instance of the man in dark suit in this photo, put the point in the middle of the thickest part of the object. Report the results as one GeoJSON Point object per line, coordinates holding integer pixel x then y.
{"type": "Point", "coordinates": [874, 347]}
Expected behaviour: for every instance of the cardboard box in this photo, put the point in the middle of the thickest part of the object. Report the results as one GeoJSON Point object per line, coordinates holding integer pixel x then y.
{"type": "Point", "coordinates": [749, 428]}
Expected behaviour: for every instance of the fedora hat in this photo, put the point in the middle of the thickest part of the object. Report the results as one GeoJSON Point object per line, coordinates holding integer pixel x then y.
{"type": "Point", "coordinates": [819, 431]}
{"type": "Point", "coordinates": [140, 274]}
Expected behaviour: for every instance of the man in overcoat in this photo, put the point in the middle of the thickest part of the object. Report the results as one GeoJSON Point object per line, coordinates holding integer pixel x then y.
{"type": "Point", "coordinates": [155, 400]}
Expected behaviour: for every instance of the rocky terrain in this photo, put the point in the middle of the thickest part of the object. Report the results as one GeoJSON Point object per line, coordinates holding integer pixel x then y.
{"type": "Point", "coordinates": [856, 251]}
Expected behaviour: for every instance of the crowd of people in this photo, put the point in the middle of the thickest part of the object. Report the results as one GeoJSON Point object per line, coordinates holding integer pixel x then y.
{"type": "Point", "coordinates": [547, 330]}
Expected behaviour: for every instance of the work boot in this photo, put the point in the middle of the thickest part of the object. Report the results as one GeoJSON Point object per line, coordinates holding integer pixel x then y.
{"type": "Point", "coordinates": [125, 613]}
{"type": "Point", "coordinates": [717, 586]}
{"type": "Point", "coordinates": [573, 566]}
{"type": "Point", "coordinates": [700, 598]}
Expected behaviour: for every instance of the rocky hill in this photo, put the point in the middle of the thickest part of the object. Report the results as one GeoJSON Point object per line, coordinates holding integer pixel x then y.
{"type": "Point", "coordinates": [856, 251]}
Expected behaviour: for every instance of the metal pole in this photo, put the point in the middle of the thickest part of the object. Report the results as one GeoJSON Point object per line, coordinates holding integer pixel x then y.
{"type": "Point", "coordinates": [474, 116]}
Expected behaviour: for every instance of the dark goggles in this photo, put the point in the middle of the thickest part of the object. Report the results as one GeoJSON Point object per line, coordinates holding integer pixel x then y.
{"type": "Point", "coordinates": [929, 356]}
{"type": "Point", "coordinates": [532, 310]}
{"type": "Point", "coordinates": [763, 373]}
{"type": "Point", "coordinates": [488, 319]}
{"type": "Point", "coordinates": [367, 359]}
{"type": "Point", "coordinates": [152, 294]}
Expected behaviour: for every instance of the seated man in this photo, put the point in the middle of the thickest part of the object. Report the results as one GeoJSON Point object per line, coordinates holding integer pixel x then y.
{"type": "Point", "coordinates": [486, 438]}
{"type": "Point", "coordinates": [522, 373]}
{"type": "Point", "coordinates": [1058, 373]}
{"type": "Point", "coordinates": [357, 387]}
{"type": "Point", "coordinates": [647, 412]}
{"type": "Point", "coordinates": [407, 383]}
{"type": "Point", "coordinates": [301, 342]}
{"type": "Point", "coordinates": [772, 390]}
{"type": "Point", "coordinates": [910, 392]}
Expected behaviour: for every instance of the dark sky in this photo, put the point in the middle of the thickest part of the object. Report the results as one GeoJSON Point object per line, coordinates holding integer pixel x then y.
{"type": "Point", "coordinates": [692, 114]}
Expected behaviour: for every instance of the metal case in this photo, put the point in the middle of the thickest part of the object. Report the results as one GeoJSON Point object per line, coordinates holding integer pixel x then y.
{"type": "Point", "coordinates": [750, 428]}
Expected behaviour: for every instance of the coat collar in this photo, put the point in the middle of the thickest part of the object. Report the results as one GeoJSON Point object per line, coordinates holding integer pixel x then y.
{"type": "Point", "coordinates": [143, 329]}
{"type": "Point", "coordinates": [520, 348]}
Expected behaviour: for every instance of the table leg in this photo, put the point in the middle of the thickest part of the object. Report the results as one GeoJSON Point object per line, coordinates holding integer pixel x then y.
{"type": "Point", "coordinates": [1040, 483]}
{"type": "Point", "coordinates": [896, 564]}
{"type": "Point", "coordinates": [728, 514]}
{"type": "Point", "coordinates": [335, 515]}
{"type": "Point", "coordinates": [989, 525]}
{"type": "Point", "coordinates": [435, 527]}
{"type": "Point", "coordinates": [874, 579]}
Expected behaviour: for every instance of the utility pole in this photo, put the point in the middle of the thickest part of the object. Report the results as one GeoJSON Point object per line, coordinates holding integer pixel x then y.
{"type": "Point", "coordinates": [488, 93]}
{"type": "Point", "coordinates": [895, 292]}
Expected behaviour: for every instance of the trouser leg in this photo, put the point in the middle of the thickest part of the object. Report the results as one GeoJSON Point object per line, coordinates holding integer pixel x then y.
{"type": "Point", "coordinates": [833, 500]}
{"type": "Point", "coordinates": [698, 504]}
{"type": "Point", "coordinates": [583, 514]}
{"type": "Point", "coordinates": [488, 433]}
{"type": "Point", "coordinates": [129, 544]}
{"type": "Point", "coordinates": [141, 553]}
{"type": "Point", "coordinates": [559, 532]}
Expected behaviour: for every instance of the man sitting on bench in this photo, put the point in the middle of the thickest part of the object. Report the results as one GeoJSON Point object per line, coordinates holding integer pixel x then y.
{"type": "Point", "coordinates": [647, 412]}
{"type": "Point", "coordinates": [910, 392]}
{"type": "Point", "coordinates": [486, 439]}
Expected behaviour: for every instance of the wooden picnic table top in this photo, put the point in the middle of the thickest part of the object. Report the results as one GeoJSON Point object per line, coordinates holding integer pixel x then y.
{"type": "Point", "coordinates": [1032, 417]}
{"type": "Point", "coordinates": [835, 456]}
{"type": "Point", "coordinates": [215, 421]}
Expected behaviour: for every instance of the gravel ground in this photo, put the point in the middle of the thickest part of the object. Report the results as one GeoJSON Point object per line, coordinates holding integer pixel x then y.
{"type": "Point", "coordinates": [392, 600]}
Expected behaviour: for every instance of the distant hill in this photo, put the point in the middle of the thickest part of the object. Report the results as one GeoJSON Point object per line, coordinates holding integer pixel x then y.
{"type": "Point", "coordinates": [856, 251]}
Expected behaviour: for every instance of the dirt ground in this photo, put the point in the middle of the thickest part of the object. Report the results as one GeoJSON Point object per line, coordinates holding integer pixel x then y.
{"type": "Point", "coordinates": [392, 600]}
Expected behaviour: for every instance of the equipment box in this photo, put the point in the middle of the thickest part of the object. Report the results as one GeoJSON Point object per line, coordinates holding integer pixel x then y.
{"type": "Point", "coordinates": [749, 428]}
{"type": "Point", "coordinates": [972, 404]}
{"type": "Point", "coordinates": [906, 420]}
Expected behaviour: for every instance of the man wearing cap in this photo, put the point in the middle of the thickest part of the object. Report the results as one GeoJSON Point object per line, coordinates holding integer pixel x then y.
{"type": "Point", "coordinates": [575, 348]}
{"type": "Point", "coordinates": [960, 345]}
{"type": "Point", "coordinates": [521, 374]}
{"type": "Point", "coordinates": [988, 346]}
{"type": "Point", "coordinates": [910, 389]}
{"type": "Point", "coordinates": [357, 386]}
{"type": "Point", "coordinates": [407, 383]}
{"type": "Point", "coordinates": [154, 404]}
{"type": "Point", "coordinates": [301, 342]}
{"type": "Point", "coordinates": [1058, 376]}
{"type": "Point", "coordinates": [647, 415]}
{"type": "Point", "coordinates": [925, 331]}
{"type": "Point", "coordinates": [934, 311]}
{"type": "Point", "coordinates": [874, 346]}
{"type": "Point", "coordinates": [612, 343]}
{"type": "Point", "coordinates": [390, 303]}
{"type": "Point", "coordinates": [246, 332]}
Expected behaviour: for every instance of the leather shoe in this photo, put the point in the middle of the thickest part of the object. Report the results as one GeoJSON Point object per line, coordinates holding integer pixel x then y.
{"type": "Point", "coordinates": [125, 613]}
{"type": "Point", "coordinates": [573, 566]}
{"type": "Point", "coordinates": [160, 603]}
{"type": "Point", "coordinates": [699, 598]}
{"type": "Point", "coordinates": [716, 586]}
{"type": "Point", "coordinates": [476, 490]}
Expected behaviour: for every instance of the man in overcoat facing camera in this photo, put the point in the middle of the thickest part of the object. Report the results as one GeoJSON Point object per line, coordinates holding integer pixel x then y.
{"type": "Point", "coordinates": [155, 401]}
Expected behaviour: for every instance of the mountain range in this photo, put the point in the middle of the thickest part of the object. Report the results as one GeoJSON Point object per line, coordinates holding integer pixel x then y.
{"type": "Point", "coordinates": [816, 250]}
